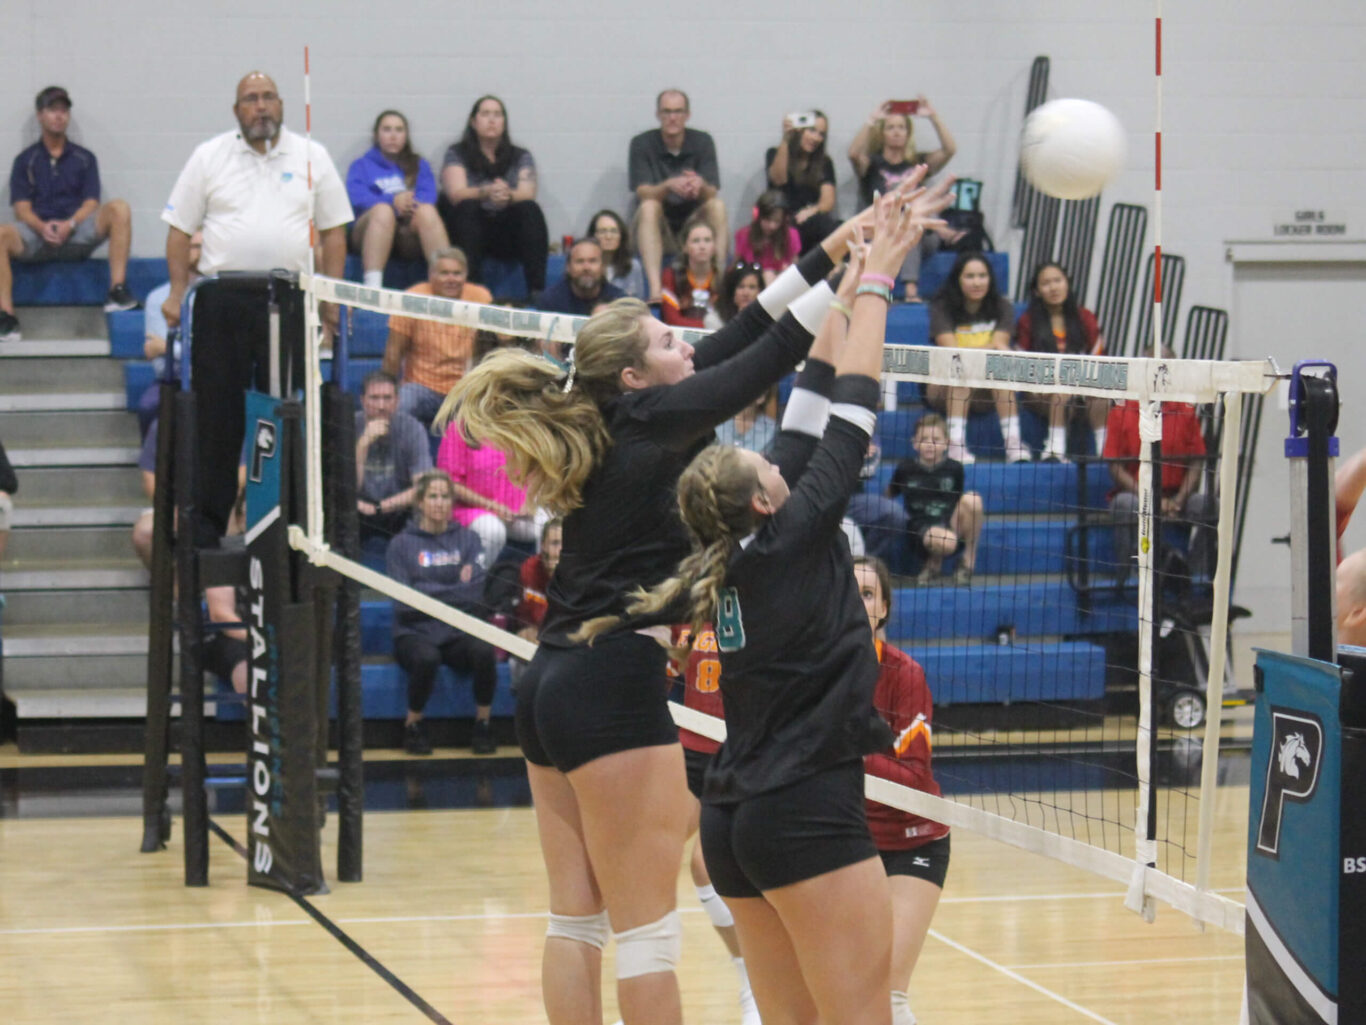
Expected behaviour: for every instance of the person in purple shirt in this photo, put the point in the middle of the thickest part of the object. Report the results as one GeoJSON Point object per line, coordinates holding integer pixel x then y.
{"type": "Point", "coordinates": [584, 287]}
{"type": "Point", "coordinates": [55, 188]}
{"type": "Point", "coordinates": [393, 193]}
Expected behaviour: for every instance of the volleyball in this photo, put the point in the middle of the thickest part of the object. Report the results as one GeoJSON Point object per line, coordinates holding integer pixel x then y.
{"type": "Point", "coordinates": [1071, 149]}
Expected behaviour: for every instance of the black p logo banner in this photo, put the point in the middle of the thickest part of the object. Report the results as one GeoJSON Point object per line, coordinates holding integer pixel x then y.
{"type": "Point", "coordinates": [1292, 772]}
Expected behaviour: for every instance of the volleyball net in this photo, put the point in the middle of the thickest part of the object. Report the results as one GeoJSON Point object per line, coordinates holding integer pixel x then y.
{"type": "Point", "coordinates": [1073, 631]}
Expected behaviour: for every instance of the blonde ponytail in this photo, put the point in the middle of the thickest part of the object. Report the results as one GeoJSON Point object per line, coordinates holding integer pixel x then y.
{"type": "Point", "coordinates": [548, 422]}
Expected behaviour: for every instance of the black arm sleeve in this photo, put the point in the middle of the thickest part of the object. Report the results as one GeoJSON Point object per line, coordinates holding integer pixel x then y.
{"type": "Point", "coordinates": [677, 415]}
{"type": "Point", "coordinates": [818, 502]}
{"type": "Point", "coordinates": [8, 481]}
{"type": "Point", "coordinates": [754, 320]}
{"type": "Point", "coordinates": [792, 450]}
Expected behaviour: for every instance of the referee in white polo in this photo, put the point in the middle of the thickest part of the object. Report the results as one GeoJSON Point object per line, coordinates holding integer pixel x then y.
{"type": "Point", "coordinates": [247, 191]}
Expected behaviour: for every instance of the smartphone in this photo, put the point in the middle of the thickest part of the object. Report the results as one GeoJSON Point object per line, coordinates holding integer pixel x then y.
{"type": "Point", "coordinates": [903, 107]}
{"type": "Point", "coordinates": [804, 119]}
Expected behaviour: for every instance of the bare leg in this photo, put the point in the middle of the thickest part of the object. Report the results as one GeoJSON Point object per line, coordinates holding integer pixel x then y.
{"type": "Point", "coordinates": [775, 972]}
{"type": "Point", "coordinates": [634, 807]}
{"type": "Point", "coordinates": [10, 245]}
{"type": "Point", "coordinates": [571, 971]}
{"type": "Point", "coordinates": [375, 234]}
{"type": "Point", "coordinates": [840, 925]}
{"type": "Point", "coordinates": [142, 538]}
{"type": "Point", "coordinates": [114, 221]}
{"type": "Point", "coordinates": [697, 866]}
{"type": "Point", "coordinates": [650, 242]}
{"type": "Point", "coordinates": [913, 904]}
{"type": "Point", "coordinates": [940, 543]}
{"type": "Point", "coordinates": [714, 210]}
{"type": "Point", "coordinates": [430, 228]}
{"type": "Point", "coordinates": [966, 523]}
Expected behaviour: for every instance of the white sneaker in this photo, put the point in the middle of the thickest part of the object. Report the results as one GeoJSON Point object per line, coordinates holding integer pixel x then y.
{"type": "Point", "coordinates": [1017, 451]}
{"type": "Point", "coordinates": [749, 1013]}
{"type": "Point", "coordinates": [1049, 456]}
{"type": "Point", "coordinates": [958, 452]}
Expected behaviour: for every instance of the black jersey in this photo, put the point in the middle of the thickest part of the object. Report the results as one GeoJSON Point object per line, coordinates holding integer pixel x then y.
{"type": "Point", "coordinates": [798, 664]}
{"type": "Point", "coordinates": [627, 533]}
{"type": "Point", "coordinates": [930, 493]}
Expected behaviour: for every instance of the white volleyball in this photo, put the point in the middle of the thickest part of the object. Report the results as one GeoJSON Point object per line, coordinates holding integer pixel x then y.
{"type": "Point", "coordinates": [1071, 149]}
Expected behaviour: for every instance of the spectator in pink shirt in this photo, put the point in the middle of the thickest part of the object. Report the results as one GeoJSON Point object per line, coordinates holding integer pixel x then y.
{"type": "Point", "coordinates": [485, 500]}
{"type": "Point", "coordinates": [769, 240]}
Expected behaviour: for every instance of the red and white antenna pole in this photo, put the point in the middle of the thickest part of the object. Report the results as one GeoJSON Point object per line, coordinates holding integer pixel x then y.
{"type": "Point", "coordinates": [1157, 195]}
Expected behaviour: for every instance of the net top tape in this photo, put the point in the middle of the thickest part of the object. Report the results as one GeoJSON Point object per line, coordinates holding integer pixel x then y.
{"type": "Point", "coordinates": [1111, 377]}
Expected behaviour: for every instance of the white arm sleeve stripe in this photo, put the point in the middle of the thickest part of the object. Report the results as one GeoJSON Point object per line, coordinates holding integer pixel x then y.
{"type": "Point", "coordinates": [786, 287]}
{"type": "Point", "coordinates": [810, 309]}
{"type": "Point", "coordinates": [806, 413]}
{"type": "Point", "coordinates": [860, 416]}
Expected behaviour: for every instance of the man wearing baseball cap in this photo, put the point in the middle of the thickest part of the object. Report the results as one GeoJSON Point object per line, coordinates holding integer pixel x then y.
{"type": "Point", "coordinates": [55, 188]}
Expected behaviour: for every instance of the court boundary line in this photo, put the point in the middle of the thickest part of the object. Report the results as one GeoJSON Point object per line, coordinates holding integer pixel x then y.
{"type": "Point", "coordinates": [341, 936]}
{"type": "Point", "coordinates": [1022, 980]}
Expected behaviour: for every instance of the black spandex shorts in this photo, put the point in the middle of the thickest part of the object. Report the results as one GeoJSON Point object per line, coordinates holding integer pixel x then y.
{"type": "Point", "coordinates": [930, 863]}
{"type": "Point", "coordinates": [578, 704]}
{"type": "Point", "coordinates": [797, 832]}
{"type": "Point", "coordinates": [696, 764]}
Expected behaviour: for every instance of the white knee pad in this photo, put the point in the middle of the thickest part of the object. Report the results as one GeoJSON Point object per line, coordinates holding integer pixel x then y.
{"type": "Point", "coordinates": [715, 907]}
{"type": "Point", "coordinates": [651, 948]}
{"type": "Point", "coordinates": [590, 929]}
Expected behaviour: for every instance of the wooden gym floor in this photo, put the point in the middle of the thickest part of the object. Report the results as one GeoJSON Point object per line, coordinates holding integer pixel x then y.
{"type": "Point", "coordinates": [447, 925]}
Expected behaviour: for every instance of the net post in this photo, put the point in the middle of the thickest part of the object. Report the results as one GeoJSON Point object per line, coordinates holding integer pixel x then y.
{"type": "Point", "coordinates": [156, 823]}
{"type": "Point", "coordinates": [1145, 846]}
{"type": "Point", "coordinates": [343, 528]}
{"type": "Point", "coordinates": [1311, 449]}
{"type": "Point", "coordinates": [1229, 440]}
{"type": "Point", "coordinates": [189, 619]}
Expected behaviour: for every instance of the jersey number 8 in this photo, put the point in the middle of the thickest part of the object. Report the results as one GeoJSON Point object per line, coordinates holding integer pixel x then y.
{"type": "Point", "coordinates": [730, 627]}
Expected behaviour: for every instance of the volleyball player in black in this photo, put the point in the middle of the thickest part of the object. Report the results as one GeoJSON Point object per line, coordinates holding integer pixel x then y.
{"type": "Point", "coordinates": [784, 830]}
{"type": "Point", "coordinates": [604, 445]}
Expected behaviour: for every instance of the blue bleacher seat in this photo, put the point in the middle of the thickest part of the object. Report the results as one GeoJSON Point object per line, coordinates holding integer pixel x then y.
{"type": "Point", "coordinates": [137, 377]}
{"type": "Point", "coordinates": [908, 324]}
{"type": "Point", "coordinates": [82, 282]}
{"type": "Point", "coordinates": [126, 332]}
{"type": "Point", "coordinates": [1066, 671]}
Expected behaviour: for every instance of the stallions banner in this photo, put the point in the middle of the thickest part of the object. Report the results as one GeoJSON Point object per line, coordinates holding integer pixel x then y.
{"type": "Point", "coordinates": [283, 849]}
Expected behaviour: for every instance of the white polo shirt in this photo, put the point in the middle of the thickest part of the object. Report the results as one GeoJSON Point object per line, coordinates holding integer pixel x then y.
{"type": "Point", "coordinates": [253, 207]}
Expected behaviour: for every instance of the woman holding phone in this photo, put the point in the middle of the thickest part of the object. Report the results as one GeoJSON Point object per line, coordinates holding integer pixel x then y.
{"type": "Point", "coordinates": [884, 153]}
{"type": "Point", "coordinates": [803, 172]}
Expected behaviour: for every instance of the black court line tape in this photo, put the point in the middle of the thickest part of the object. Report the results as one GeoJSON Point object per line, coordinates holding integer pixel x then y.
{"type": "Point", "coordinates": [340, 935]}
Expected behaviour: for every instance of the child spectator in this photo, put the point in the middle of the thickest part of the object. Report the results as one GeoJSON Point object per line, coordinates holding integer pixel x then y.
{"type": "Point", "coordinates": [769, 240]}
{"type": "Point", "coordinates": [392, 192]}
{"type": "Point", "coordinates": [535, 575]}
{"type": "Point", "coordinates": [622, 269]}
{"type": "Point", "coordinates": [689, 285]}
{"type": "Point", "coordinates": [942, 518]}
{"type": "Point", "coordinates": [488, 196]}
{"type": "Point", "coordinates": [1056, 322]}
{"type": "Point", "coordinates": [443, 560]}
{"type": "Point", "coordinates": [971, 313]}
{"type": "Point", "coordinates": [740, 286]}
{"type": "Point", "coordinates": [800, 168]}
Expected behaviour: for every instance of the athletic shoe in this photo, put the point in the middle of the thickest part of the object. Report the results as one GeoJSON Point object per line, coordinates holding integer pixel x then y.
{"type": "Point", "coordinates": [119, 298]}
{"type": "Point", "coordinates": [962, 576]}
{"type": "Point", "coordinates": [415, 740]}
{"type": "Point", "coordinates": [1049, 456]}
{"type": "Point", "coordinates": [1017, 451]}
{"type": "Point", "coordinates": [483, 742]}
{"type": "Point", "coordinates": [959, 453]}
{"type": "Point", "coordinates": [9, 327]}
